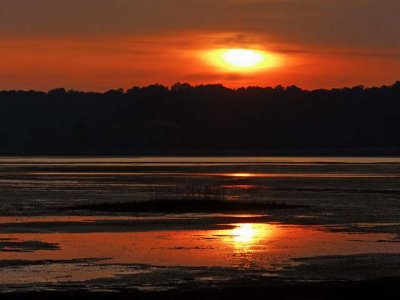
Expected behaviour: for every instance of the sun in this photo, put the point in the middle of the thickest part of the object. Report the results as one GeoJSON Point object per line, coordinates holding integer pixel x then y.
{"type": "Point", "coordinates": [241, 60]}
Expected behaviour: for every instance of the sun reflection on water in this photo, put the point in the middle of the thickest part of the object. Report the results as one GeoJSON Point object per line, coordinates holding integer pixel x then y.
{"type": "Point", "coordinates": [241, 175]}
{"type": "Point", "coordinates": [247, 235]}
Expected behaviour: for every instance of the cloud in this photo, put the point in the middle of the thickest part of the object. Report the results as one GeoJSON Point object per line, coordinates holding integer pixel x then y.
{"type": "Point", "coordinates": [345, 23]}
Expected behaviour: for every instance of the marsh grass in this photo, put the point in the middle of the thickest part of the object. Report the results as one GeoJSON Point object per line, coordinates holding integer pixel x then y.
{"type": "Point", "coordinates": [186, 198]}
{"type": "Point", "coordinates": [187, 192]}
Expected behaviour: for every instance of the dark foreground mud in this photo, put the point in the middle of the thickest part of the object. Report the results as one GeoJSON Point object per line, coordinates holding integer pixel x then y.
{"type": "Point", "coordinates": [387, 288]}
{"type": "Point", "coordinates": [375, 276]}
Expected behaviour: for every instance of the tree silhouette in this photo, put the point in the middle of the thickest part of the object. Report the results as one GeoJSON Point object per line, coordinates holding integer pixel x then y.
{"type": "Point", "coordinates": [204, 119]}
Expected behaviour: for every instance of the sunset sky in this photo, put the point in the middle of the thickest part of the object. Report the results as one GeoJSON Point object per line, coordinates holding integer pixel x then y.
{"type": "Point", "coordinates": [103, 44]}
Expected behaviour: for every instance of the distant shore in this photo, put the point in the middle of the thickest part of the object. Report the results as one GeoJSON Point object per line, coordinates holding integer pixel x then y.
{"type": "Point", "coordinates": [368, 152]}
{"type": "Point", "coordinates": [202, 120]}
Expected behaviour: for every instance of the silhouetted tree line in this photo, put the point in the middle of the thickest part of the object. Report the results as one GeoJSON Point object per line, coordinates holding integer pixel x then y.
{"type": "Point", "coordinates": [205, 119]}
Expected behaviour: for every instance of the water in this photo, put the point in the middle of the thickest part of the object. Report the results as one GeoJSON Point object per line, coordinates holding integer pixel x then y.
{"type": "Point", "coordinates": [341, 206]}
{"type": "Point", "coordinates": [37, 185]}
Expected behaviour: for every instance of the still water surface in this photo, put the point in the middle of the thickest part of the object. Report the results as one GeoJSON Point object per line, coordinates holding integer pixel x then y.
{"type": "Point", "coordinates": [337, 192]}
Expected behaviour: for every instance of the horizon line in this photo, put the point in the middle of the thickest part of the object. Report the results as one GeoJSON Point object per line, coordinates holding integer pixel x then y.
{"type": "Point", "coordinates": [189, 85]}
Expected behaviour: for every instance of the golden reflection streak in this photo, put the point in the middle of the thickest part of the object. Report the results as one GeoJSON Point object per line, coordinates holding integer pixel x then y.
{"type": "Point", "coordinates": [241, 175]}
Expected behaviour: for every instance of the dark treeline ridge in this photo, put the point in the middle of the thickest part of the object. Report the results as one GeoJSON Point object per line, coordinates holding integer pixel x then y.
{"type": "Point", "coordinates": [201, 120]}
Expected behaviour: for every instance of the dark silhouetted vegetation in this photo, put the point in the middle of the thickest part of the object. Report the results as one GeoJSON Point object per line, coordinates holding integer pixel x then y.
{"type": "Point", "coordinates": [185, 206]}
{"type": "Point", "coordinates": [206, 119]}
{"type": "Point", "coordinates": [188, 192]}
{"type": "Point", "coordinates": [185, 198]}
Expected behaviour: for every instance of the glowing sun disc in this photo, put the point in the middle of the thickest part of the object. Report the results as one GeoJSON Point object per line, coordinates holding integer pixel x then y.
{"type": "Point", "coordinates": [241, 60]}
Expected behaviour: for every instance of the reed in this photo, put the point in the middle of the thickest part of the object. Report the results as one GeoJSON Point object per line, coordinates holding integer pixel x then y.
{"type": "Point", "coordinates": [187, 192]}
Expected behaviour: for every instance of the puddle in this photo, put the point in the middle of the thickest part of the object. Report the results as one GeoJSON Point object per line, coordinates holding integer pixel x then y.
{"type": "Point", "coordinates": [245, 246]}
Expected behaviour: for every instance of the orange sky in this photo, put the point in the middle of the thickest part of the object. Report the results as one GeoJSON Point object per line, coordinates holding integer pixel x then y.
{"type": "Point", "coordinates": [321, 44]}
